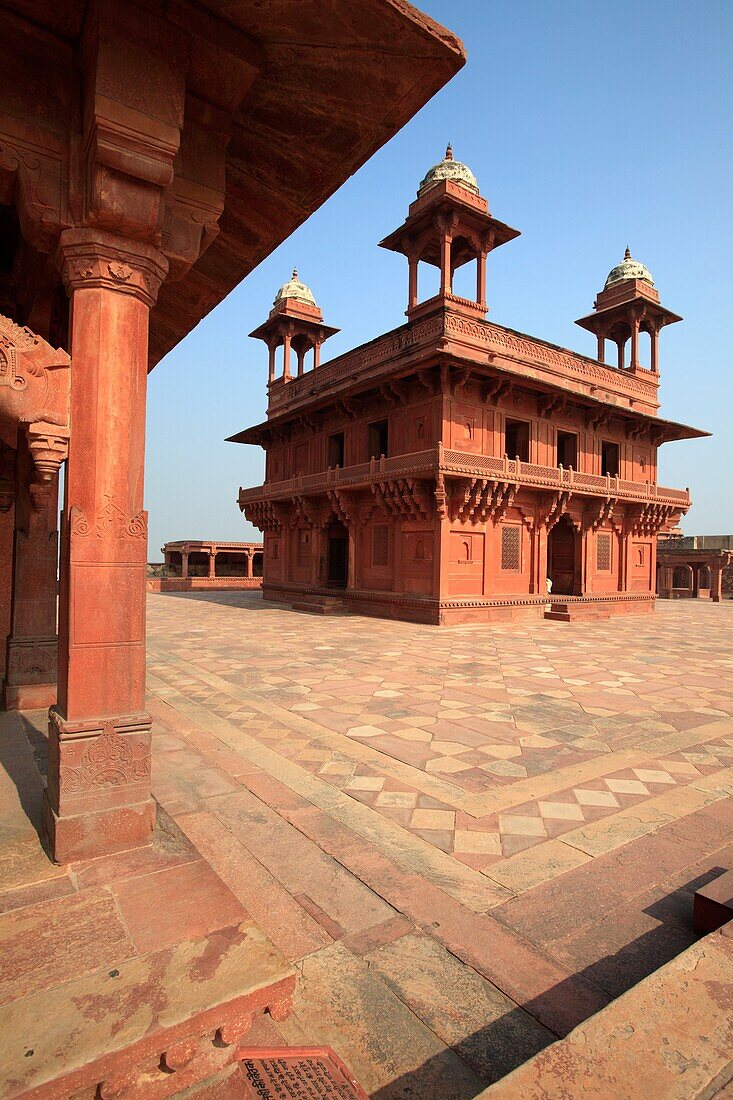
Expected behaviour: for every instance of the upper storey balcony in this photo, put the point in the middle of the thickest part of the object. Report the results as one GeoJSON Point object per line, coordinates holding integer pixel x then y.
{"type": "Point", "coordinates": [438, 463]}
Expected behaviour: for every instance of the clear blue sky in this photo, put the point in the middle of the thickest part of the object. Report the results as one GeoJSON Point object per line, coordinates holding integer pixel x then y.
{"type": "Point", "coordinates": [589, 127]}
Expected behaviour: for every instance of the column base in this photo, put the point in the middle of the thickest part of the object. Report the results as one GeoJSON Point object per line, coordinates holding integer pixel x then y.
{"type": "Point", "coordinates": [28, 696]}
{"type": "Point", "coordinates": [98, 832]}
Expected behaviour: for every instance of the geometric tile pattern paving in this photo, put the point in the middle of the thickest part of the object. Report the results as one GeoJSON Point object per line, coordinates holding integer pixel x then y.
{"type": "Point", "coordinates": [479, 833]}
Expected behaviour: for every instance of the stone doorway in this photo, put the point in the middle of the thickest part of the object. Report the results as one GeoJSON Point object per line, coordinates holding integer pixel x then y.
{"type": "Point", "coordinates": [338, 556]}
{"type": "Point", "coordinates": [562, 558]}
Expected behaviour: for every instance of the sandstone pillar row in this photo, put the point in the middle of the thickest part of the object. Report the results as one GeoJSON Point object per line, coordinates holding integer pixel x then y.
{"type": "Point", "coordinates": [98, 796]}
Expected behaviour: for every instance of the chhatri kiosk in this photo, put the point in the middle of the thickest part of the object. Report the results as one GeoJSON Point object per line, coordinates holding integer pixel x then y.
{"type": "Point", "coordinates": [453, 470]}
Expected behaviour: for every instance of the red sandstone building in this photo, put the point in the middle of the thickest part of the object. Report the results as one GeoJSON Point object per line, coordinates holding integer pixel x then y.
{"type": "Point", "coordinates": [453, 470]}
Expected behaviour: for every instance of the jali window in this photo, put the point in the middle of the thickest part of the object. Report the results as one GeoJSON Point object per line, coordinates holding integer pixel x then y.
{"type": "Point", "coordinates": [510, 547]}
{"type": "Point", "coordinates": [603, 553]}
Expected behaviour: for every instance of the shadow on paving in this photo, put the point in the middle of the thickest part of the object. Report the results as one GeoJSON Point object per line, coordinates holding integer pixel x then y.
{"type": "Point", "coordinates": [27, 777]}
{"type": "Point", "coordinates": [504, 1044]}
{"type": "Point", "coordinates": [249, 599]}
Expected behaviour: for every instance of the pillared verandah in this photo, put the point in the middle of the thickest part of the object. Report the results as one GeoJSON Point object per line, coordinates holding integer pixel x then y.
{"type": "Point", "coordinates": [151, 155]}
{"type": "Point", "coordinates": [453, 470]}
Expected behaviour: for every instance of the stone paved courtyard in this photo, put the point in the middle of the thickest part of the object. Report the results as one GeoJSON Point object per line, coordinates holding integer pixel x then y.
{"type": "Point", "coordinates": [467, 839]}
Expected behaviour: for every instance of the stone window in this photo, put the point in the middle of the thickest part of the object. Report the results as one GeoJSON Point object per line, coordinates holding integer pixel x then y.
{"type": "Point", "coordinates": [516, 439]}
{"type": "Point", "coordinates": [610, 458]}
{"type": "Point", "coordinates": [336, 449]}
{"type": "Point", "coordinates": [378, 439]}
{"type": "Point", "coordinates": [300, 459]}
{"type": "Point", "coordinates": [380, 544]}
{"type": "Point", "coordinates": [603, 553]}
{"type": "Point", "coordinates": [510, 547]}
{"type": "Point", "coordinates": [567, 450]}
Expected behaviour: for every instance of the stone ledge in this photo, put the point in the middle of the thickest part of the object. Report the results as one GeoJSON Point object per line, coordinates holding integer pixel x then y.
{"type": "Point", "coordinates": [151, 1026]}
{"type": "Point", "coordinates": [671, 1035]}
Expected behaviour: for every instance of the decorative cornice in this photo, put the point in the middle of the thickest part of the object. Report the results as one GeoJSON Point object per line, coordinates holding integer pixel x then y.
{"type": "Point", "coordinates": [94, 259]}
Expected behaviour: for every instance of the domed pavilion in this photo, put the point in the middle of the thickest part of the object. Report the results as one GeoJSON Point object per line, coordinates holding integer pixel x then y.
{"type": "Point", "coordinates": [453, 470]}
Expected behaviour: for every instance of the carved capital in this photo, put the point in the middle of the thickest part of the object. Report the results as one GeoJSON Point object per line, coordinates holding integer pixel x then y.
{"type": "Point", "coordinates": [49, 446]}
{"type": "Point", "coordinates": [93, 259]}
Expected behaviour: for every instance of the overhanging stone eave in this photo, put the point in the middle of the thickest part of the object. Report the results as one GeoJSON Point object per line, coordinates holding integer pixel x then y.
{"type": "Point", "coordinates": [427, 57]}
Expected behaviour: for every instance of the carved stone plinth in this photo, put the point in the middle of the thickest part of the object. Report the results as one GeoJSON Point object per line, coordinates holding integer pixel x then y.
{"type": "Point", "coordinates": [98, 795]}
{"type": "Point", "coordinates": [31, 673]}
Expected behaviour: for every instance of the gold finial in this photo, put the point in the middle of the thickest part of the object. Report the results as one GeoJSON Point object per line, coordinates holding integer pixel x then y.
{"type": "Point", "coordinates": [448, 152]}
{"type": "Point", "coordinates": [627, 253]}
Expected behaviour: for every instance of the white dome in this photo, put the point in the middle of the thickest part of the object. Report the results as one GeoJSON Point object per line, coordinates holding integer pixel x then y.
{"type": "Point", "coordinates": [295, 289]}
{"type": "Point", "coordinates": [629, 268]}
{"type": "Point", "coordinates": [449, 169]}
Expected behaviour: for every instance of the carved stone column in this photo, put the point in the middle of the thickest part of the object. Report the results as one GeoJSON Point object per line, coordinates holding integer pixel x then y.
{"type": "Point", "coordinates": [98, 796]}
{"type": "Point", "coordinates": [30, 679]}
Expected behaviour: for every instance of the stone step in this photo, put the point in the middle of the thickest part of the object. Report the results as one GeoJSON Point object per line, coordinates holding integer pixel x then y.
{"type": "Point", "coordinates": [322, 605]}
{"type": "Point", "coordinates": [151, 1026]}
{"type": "Point", "coordinates": [713, 905]}
{"type": "Point", "coordinates": [669, 1036]}
{"type": "Point", "coordinates": [565, 612]}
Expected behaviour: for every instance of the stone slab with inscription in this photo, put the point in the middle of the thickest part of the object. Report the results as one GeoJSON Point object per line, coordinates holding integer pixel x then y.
{"type": "Point", "coordinates": [297, 1073]}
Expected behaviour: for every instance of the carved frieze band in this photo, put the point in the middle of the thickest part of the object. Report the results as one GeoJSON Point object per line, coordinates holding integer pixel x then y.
{"type": "Point", "coordinates": [110, 521]}
{"type": "Point", "coordinates": [94, 259]}
{"type": "Point", "coordinates": [517, 345]}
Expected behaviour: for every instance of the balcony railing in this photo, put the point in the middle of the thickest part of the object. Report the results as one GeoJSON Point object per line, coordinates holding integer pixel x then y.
{"type": "Point", "coordinates": [453, 463]}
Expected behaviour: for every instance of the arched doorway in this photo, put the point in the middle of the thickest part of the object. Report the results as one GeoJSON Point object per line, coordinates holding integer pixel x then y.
{"type": "Point", "coordinates": [338, 555]}
{"type": "Point", "coordinates": [562, 546]}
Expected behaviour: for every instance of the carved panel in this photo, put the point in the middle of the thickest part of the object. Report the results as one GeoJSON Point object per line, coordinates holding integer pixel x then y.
{"type": "Point", "coordinates": [109, 535]}
{"type": "Point", "coordinates": [110, 760]}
